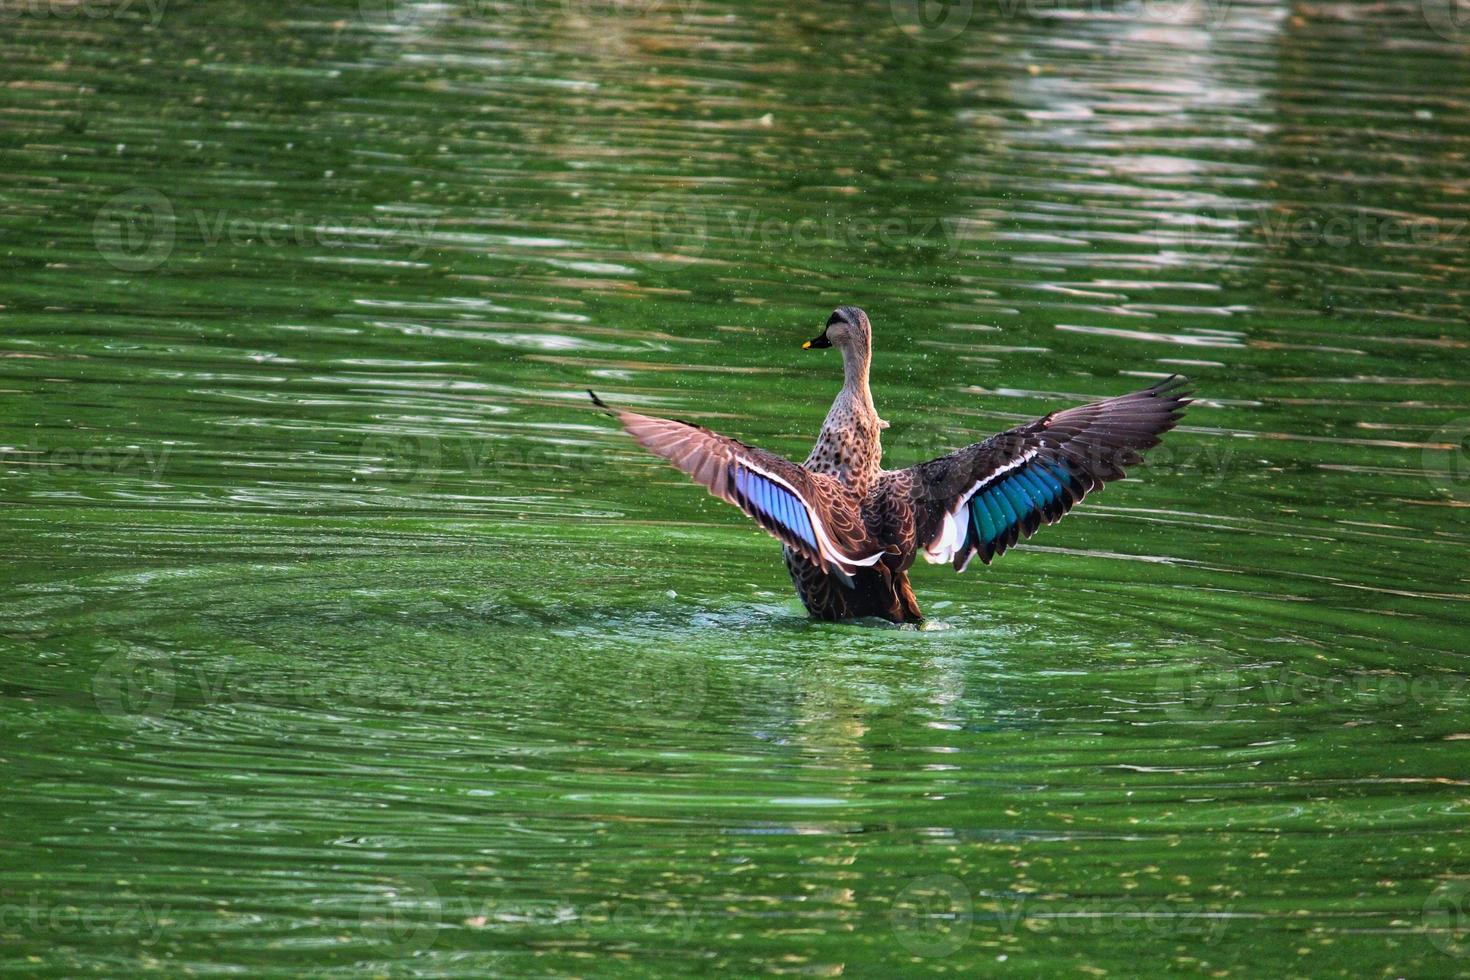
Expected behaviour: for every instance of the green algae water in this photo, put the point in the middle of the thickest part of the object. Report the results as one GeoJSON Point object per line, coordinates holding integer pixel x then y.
{"type": "Point", "coordinates": [342, 636]}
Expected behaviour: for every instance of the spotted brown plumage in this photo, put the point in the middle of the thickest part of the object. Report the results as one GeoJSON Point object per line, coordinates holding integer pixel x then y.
{"type": "Point", "coordinates": [850, 530]}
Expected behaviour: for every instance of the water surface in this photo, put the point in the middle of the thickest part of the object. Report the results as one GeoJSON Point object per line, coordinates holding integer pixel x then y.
{"type": "Point", "coordinates": [342, 636]}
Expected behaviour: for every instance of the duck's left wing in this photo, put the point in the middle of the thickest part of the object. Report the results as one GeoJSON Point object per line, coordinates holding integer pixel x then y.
{"type": "Point", "coordinates": [808, 512]}
{"type": "Point", "coordinates": [980, 499]}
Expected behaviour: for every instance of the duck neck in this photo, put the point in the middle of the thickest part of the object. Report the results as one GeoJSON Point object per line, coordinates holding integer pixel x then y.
{"type": "Point", "coordinates": [848, 446]}
{"type": "Point", "coordinates": [855, 360]}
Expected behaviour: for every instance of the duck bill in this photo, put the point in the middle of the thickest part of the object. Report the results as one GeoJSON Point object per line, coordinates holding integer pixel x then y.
{"type": "Point", "coordinates": [817, 343]}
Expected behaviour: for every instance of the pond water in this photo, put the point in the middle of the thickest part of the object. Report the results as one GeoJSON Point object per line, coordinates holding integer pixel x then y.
{"type": "Point", "coordinates": [342, 636]}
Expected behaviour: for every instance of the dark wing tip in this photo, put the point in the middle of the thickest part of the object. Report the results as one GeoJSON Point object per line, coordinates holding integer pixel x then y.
{"type": "Point", "coordinates": [1175, 392]}
{"type": "Point", "coordinates": [614, 413]}
{"type": "Point", "coordinates": [1175, 388]}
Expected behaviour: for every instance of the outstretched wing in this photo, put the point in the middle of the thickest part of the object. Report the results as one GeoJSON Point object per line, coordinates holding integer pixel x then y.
{"type": "Point", "coordinates": [808, 512]}
{"type": "Point", "coordinates": [980, 499]}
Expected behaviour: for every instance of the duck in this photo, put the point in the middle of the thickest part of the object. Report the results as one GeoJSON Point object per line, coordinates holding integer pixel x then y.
{"type": "Point", "coordinates": [850, 530]}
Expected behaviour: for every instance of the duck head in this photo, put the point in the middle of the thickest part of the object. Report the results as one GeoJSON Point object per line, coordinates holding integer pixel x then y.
{"type": "Point", "coordinates": [847, 329]}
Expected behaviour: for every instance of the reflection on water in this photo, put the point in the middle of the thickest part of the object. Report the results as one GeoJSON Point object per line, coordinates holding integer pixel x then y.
{"type": "Point", "coordinates": [344, 636]}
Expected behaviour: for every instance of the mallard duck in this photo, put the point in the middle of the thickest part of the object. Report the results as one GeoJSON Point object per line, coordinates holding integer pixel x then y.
{"type": "Point", "coordinates": [850, 529]}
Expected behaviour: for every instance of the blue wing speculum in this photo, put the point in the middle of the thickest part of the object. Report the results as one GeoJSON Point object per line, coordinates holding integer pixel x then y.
{"type": "Point", "coordinates": [1057, 461]}
{"type": "Point", "coordinates": [1021, 499]}
{"type": "Point", "coordinates": [1004, 506]}
{"type": "Point", "coordinates": [773, 503]}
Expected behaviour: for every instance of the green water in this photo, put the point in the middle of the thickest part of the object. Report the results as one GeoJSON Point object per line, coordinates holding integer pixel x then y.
{"type": "Point", "coordinates": [342, 637]}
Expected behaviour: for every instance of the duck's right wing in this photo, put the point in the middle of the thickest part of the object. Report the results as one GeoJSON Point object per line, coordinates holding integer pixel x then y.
{"type": "Point", "coordinates": [810, 513]}
{"type": "Point", "coordinates": [980, 499]}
